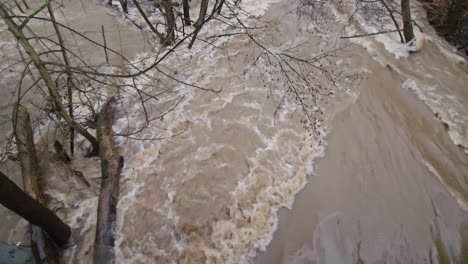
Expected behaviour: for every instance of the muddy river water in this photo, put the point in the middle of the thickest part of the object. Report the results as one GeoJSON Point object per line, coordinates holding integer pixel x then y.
{"type": "Point", "coordinates": [381, 177]}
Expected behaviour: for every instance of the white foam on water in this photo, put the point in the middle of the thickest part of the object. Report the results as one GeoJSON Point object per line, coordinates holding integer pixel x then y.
{"type": "Point", "coordinates": [441, 100]}
{"type": "Point", "coordinates": [228, 242]}
{"type": "Point", "coordinates": [257, 8]}
{"type": "Point", "coordinates": [253, 218]}
{"type": "Point", "coordinates": [455, 194]}
{"type": "Point", "coordinates": [456, 123]}
{"type": "Point", "coordinates": [250, 227]}
{"type": "Point", "coordinates": [391, 43]}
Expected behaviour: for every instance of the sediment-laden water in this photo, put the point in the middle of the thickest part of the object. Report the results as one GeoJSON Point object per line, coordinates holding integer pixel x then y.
{"type": "Point", "coordinates": [204, 183]}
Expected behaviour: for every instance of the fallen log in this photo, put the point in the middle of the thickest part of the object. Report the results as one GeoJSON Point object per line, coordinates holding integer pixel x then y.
{"type": "Point", "coordinates": [33, 209]}
{"type": "Point", "coordinates": [111, 167]}
{"type": "Point", "coordinates": [18, 201]}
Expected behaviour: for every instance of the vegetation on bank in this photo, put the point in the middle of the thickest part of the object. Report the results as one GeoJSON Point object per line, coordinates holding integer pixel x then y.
{"type": "Point", "coordinates": [450, 19]}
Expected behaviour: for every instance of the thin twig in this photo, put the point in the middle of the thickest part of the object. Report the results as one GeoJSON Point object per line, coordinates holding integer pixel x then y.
{"type": "Point", "coordinates": [371, 34]}
{"type": "Point", "coordinates": [105, 44]}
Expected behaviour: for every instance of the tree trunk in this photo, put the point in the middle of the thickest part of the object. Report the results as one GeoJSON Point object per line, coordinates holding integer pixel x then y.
{"type": "Point", "coordinates": [15, 199]}
{"type": "Point", "coordinates": [52, 88]}
{"type": "Point", "coordinates": [170, 22]}
{"type": "Point", "coordinates": [27, 152]}
{"type": "Point", "coordinates": [200, 21]}
{"type": "Point", "coordinates": [407, 21]}
{"type": "Point", "coordinates": [108, 198]}
{"type": "Point", "coordinates": [201, 16]}
{"type": "Point", "coordinates": [220, 7]}
{"type": "Point", "coordinates": [39, 216]}
{"type": "Point", "coordinates": [124, 5]}
{"type": "Point", "coordinates": [186, 7]}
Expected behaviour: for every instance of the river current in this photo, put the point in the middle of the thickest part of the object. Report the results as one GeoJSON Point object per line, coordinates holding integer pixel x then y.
{"type": "Point", "coordinates": [377, 175]}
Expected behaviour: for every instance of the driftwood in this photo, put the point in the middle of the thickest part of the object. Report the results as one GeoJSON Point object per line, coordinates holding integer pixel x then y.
{"type": "Point", "coordinates": [40, 218]}
{"type": "Point", "coordinates": [111, 166]}
{"type": "Point", "coordinates": [186, 8]}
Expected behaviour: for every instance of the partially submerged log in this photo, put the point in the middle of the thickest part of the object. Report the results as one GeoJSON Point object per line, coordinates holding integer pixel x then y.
{"type": "Point", "coordinates": [32, 208]}
{"type": "Point", "coordinates": [186, 8]}
{"type": "Point", "coordinates": [111, 167]}
{"type": "Point", "coordinates": [18, 201]}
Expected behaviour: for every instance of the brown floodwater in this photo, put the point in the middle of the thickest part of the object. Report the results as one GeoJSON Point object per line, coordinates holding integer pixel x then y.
{"type": "Point", "coordinates": [381, 178]}
{"type": "Point", "coordinates": [89, 18]}
{"type": "Point", "coordinates": [384, 191]}
{"type": "Point", "coordinates": [392, 186]}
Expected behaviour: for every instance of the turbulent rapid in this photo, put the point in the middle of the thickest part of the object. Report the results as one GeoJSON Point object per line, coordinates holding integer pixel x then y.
{"type": "Point", "coordinates": [381, 154]}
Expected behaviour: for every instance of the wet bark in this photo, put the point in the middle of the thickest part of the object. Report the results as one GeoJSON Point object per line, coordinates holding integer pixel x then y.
{"type": "Point", "coordinates": [186, 8]}
{"type": "Point", "coordinates": [18, 201]}
{"type": "Point", "coordinates": [27, 152]}
{"type": "Point", "coordinates": [32, 207]}
{"type": "Point", "coordinates": [170, 22]}
{"type": "Point", "coordinates": [201, 16]}
{"type": "Point", "coordinates": [124, 5]}
{"type": "Point", "coordinates": [407, 21]}
{"type": "Point", "coordinates": [111, 166]}
{"type": "Point", "coordinates": [220, 7]}
{"type": "Point", "coordinates": [199, 23]}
